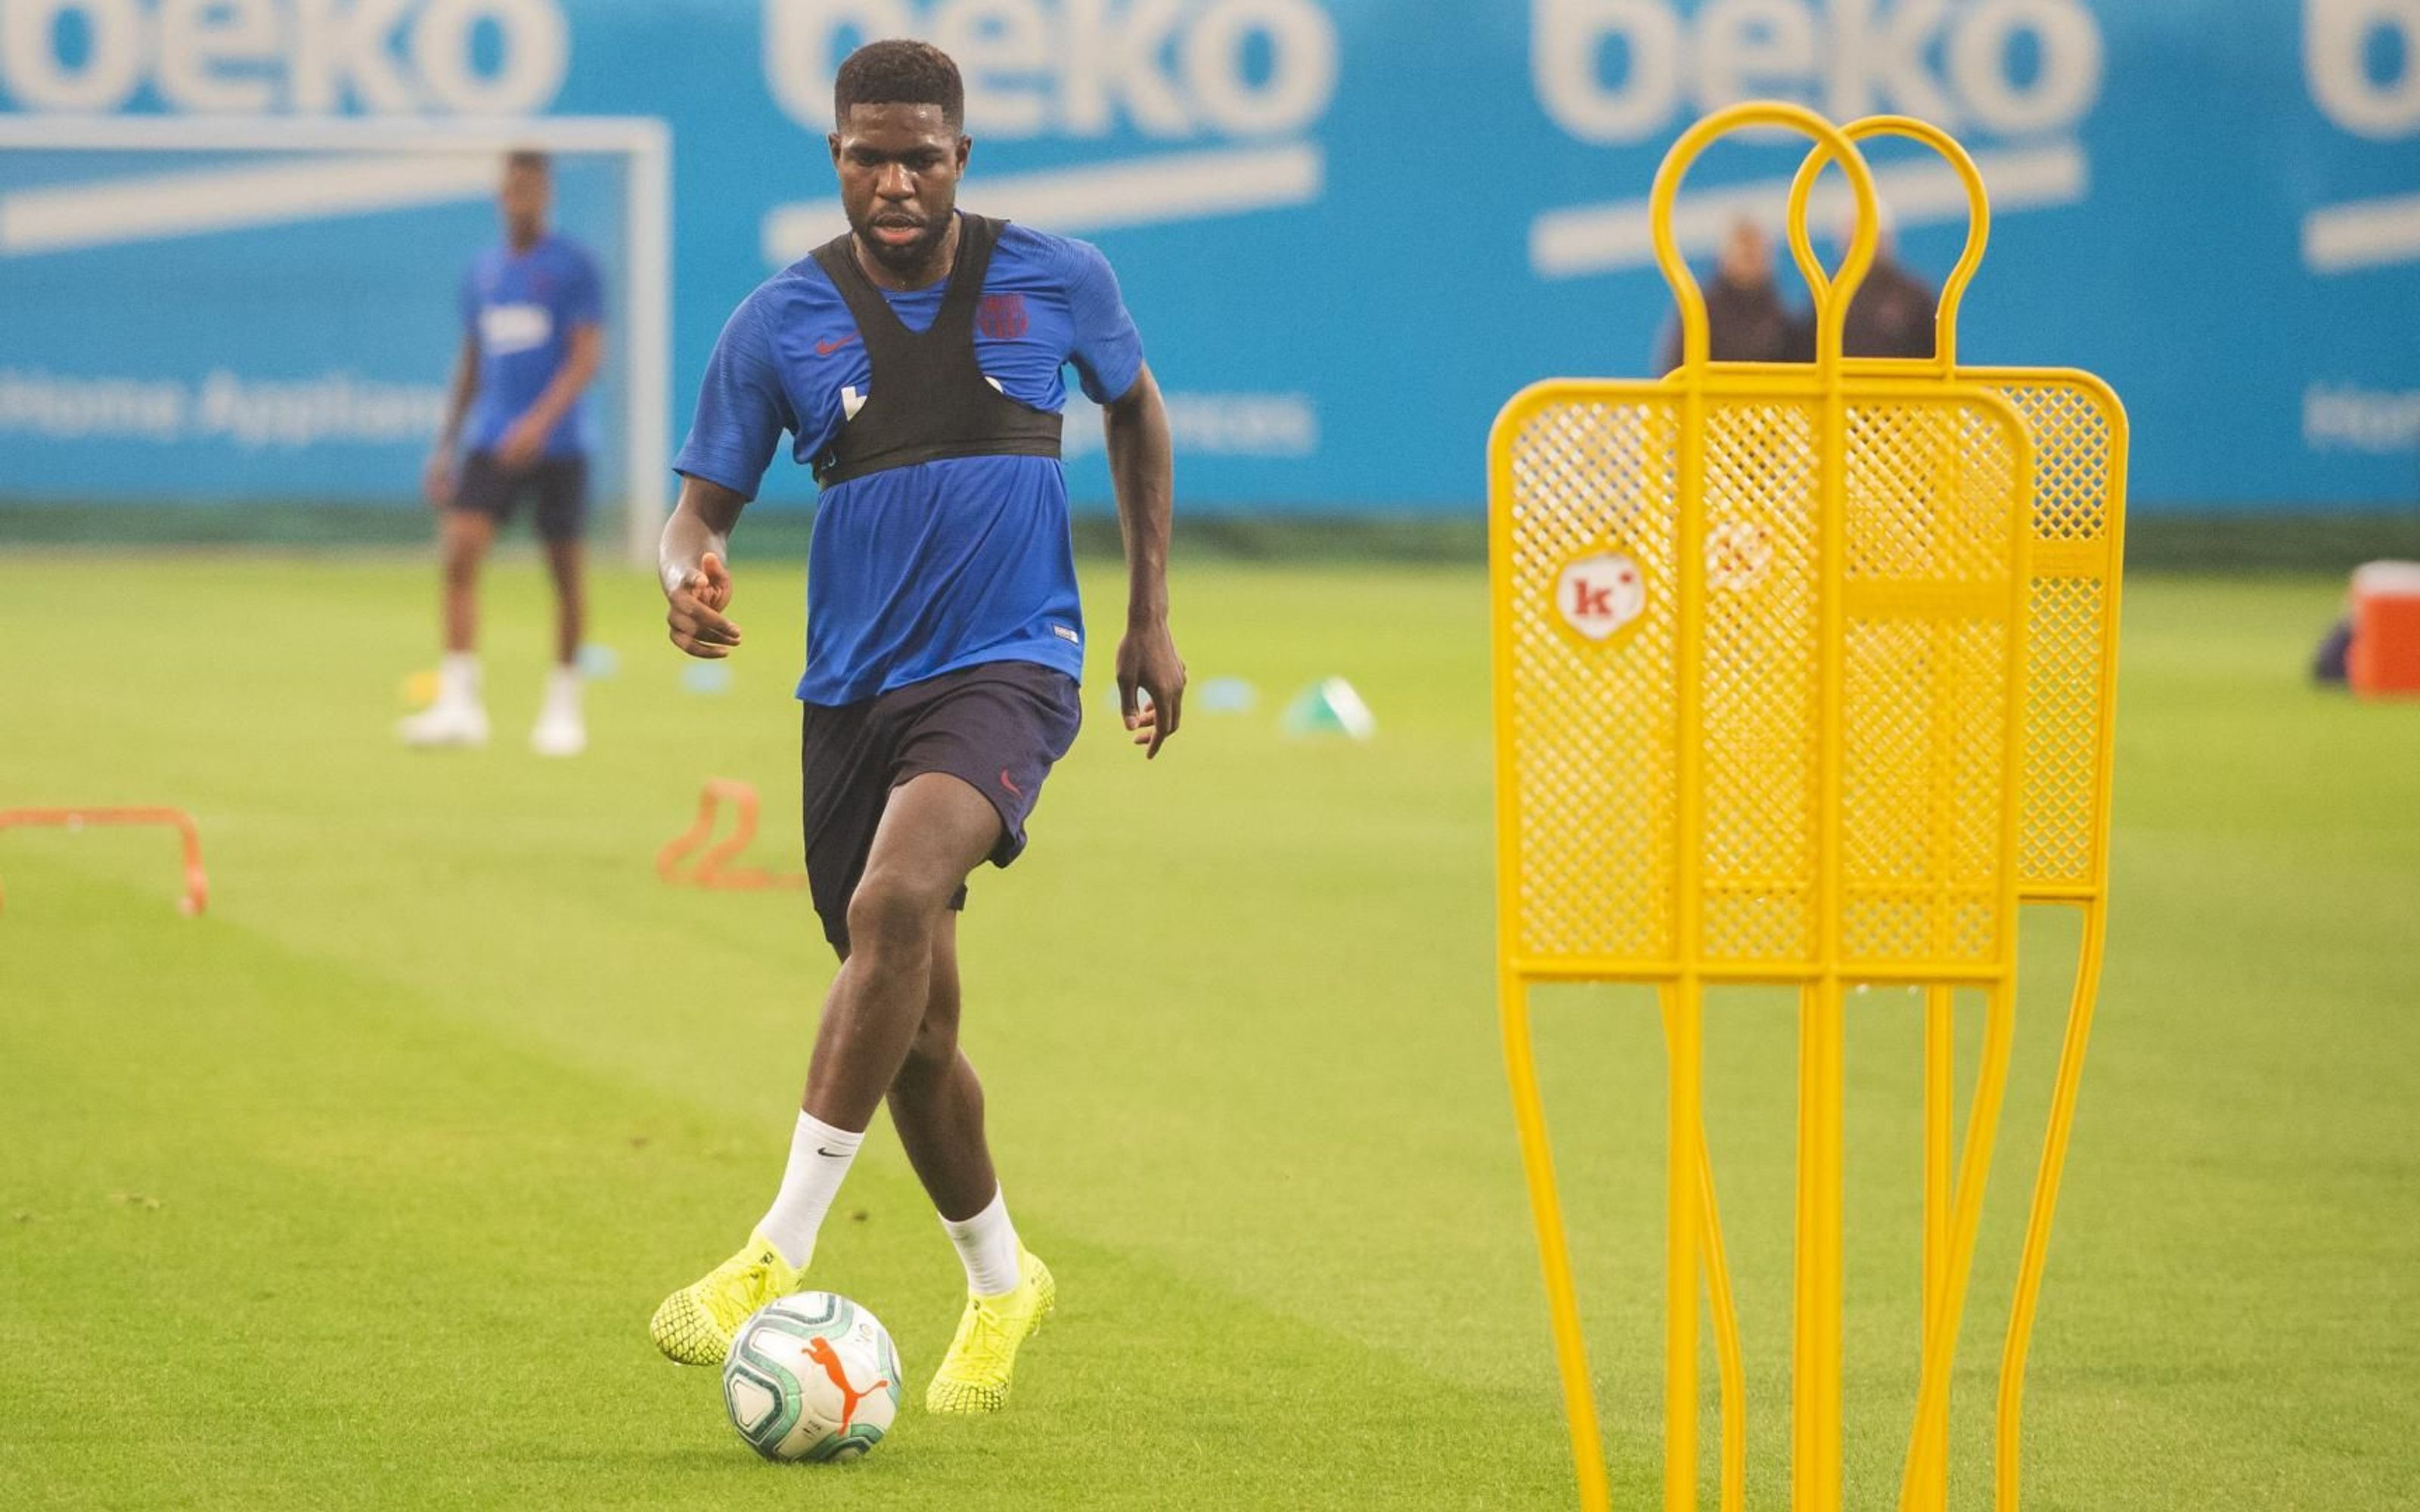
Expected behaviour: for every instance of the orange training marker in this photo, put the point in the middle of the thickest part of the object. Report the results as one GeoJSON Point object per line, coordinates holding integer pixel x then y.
{"type": "Point", "coordinates": [710, 872]}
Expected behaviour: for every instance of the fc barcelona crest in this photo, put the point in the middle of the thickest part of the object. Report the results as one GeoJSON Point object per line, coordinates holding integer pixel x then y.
{"type": "Point", "coordinates": [1000, 316]}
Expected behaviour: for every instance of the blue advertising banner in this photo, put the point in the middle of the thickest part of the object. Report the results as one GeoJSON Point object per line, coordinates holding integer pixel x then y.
{"type": "Point", "coordinates": [1348, 228]}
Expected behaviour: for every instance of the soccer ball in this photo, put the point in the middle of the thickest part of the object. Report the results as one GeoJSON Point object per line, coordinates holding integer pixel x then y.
{"type": "Point", "coordinates": [812, 1377]}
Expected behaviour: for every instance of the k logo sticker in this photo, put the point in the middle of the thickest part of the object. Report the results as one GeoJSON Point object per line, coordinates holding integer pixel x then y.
{"type": "Point", "coordinates": [1599, 594]}
{"type": "Point", "coordinates": [1738, 554]}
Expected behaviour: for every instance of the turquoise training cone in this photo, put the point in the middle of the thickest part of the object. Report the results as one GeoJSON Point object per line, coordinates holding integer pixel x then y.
{"type": "Point", "coordinates": [1225, 695]}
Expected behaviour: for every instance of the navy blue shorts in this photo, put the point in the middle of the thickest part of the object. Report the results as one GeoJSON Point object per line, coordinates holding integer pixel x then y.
{"type": "Point", "coordinates": [557, 487]}
{"type": "Point", "coordinates": [998, 727]}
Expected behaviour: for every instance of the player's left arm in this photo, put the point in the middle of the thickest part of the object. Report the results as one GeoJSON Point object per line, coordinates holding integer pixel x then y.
{"type": "Point", "coordinates": [1142, 472]}
{"type": "Point", "coordinates": [526, 441]}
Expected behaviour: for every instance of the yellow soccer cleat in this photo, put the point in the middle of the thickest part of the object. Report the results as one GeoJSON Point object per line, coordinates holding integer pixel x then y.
{"type": "Point", "coordinates": [695, 1324]}
{"type": "Point", "coordinates": [973, 1378]}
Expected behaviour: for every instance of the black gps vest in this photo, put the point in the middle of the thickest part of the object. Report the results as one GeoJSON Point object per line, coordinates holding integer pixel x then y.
{"type": "Point", "coordinates": [927, 398]}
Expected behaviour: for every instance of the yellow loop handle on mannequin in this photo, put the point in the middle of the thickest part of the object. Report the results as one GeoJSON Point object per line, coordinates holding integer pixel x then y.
{"type": "Point", "coordinates": [1831, 296]}
{"type": "Point", "coordinates": [1979, 219]}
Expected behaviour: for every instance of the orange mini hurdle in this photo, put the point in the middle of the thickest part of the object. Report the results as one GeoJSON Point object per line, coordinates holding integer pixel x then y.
{"type": "Point", "coordinates": [198, 882]}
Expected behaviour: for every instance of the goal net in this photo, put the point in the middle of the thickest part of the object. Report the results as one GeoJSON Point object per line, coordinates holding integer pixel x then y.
{"type": "Point", "coordinates": [230, 315]}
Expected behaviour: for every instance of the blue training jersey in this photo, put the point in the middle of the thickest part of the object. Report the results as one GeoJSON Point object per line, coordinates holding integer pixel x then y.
{"type": "Point", "coordinates": [521, 309]}
{"type": "Point", "coordinates": [920, 570]}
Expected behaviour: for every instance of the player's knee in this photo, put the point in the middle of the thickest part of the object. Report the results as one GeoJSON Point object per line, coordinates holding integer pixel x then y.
{"type": "Point", "coordinates": [889, 912]}
{"type": "Point", "coordinates": [936, 1045]}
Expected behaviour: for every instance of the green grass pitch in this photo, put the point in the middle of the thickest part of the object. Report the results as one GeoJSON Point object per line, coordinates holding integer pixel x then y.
{"type": "Point", "coordinates": [359, 1191]}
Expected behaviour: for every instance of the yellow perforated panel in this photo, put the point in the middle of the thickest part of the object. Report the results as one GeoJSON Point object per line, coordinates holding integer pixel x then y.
{"type": "Point", "coordinates": [2071, 636]}
{"type": "Point", "coordinates": [1594, 724]}
{"type": "Point", "coordinates": [1760, 683]}
{"type": "Point", "coordinates": [1934, 514]}
{"type": "Point", "coordinates": [1598, 679]}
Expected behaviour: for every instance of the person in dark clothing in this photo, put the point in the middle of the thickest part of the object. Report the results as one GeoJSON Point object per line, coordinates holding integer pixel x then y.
{"type": "Point", "coordinates": [1891, 317]}
{"type": "Point", "coordinates": [1745, 319]}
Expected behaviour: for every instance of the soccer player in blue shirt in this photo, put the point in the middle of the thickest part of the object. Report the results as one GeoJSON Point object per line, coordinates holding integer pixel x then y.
{"type": "Point", "coordinates": [533, 337]}
{"type": "Point", "coordinates": [917, 361]}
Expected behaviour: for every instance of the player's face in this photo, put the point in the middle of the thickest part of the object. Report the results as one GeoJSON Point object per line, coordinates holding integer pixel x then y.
{"type": "Point", "coordinates": [523, 201]}
{"type": "Point", "coordinates": [899, 168]}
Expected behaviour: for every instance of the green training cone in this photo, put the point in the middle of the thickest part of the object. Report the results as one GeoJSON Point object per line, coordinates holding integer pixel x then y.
{"type": "Point", "coordinates": [1330, 707]}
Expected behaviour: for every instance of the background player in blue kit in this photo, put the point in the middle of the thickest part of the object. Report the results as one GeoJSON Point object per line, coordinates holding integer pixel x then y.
{"type": "Point", "coordinates": [533, 338]}
{"type": "Point", "coordinates": [917, 361]}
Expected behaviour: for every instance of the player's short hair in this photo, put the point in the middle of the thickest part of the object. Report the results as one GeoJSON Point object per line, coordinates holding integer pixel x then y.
{"type": "Point", "coordinates": [528, 158]}
{"type": "Point", "coordinates": [898, 72]}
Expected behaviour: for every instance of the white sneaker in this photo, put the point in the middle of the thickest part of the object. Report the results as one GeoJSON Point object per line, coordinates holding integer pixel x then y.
{"type": "Point", "coordinates": [446, 723]}
{"type": "Point", "coordinates": [560, 732]}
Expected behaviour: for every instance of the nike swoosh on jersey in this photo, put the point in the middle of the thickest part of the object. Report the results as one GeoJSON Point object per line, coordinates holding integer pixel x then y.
{"type": "Point", "coordinates": [825, 348]}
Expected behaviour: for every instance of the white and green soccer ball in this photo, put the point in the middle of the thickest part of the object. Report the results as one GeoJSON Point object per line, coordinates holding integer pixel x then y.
{"type": "Point", "coordinates": [812, 1377]}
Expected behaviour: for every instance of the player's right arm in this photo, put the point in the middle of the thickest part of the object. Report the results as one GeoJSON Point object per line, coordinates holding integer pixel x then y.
{"type": "Point", "coordinates": [742, 409]}
{"type": "Point", "coordinates": [436, 479]}
{"type": "Point", "coordinates": [690, 562]}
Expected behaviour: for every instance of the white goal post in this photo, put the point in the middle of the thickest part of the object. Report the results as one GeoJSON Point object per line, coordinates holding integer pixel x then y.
{"type": "Point", "coordinates": [455, 160]}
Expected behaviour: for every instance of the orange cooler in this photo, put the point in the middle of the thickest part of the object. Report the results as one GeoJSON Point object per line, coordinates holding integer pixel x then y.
{"type": "Point", "coordinates": [2385, 653]}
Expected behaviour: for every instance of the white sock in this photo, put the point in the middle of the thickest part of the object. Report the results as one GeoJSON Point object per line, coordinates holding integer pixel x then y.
{"type": "Point", "coordinates": [458, 678]}
{"type": "Point", "coordinates": [820, 1155]}
{"type": "Point", "coordinates": [563, 691]}
{"type": "Point", "coordinates": [988, 1247]}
